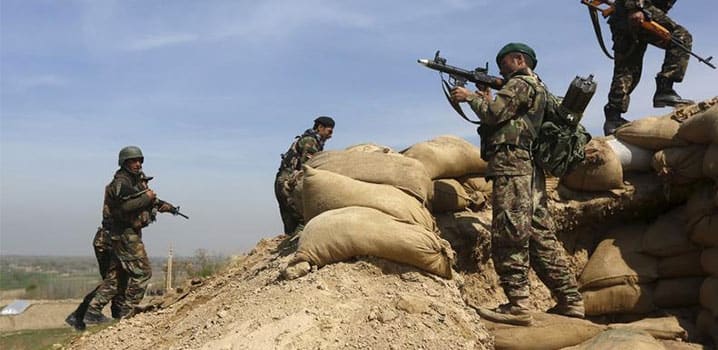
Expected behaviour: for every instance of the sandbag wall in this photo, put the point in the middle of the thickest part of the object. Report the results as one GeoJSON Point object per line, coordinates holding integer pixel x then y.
{"type": "Point", "coordinates": [369, 200]}
{"type": "Point", "coordinates": [669, 262]}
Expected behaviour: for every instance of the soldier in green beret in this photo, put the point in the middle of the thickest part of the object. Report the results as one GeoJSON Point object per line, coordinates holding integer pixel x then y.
{"type": "Point", "coordinates": [301, 150]}
{"type": "Point", "coordinates": [522, 229]}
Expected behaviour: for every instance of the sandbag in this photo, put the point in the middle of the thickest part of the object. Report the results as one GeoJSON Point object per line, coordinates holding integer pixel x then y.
{"type": "Point", "coordinates": [371, 147]}
{"type": "Point", "coordinates": [376, 167]}
{"type": "Point", "coordinates": [667, 235]}
{"type": "Point", "coordinates": [709, 294]}
{"type": "Point", "coordinates": [449, 195]}
{"type": "Point", "coordinates": [683, 265]}
{"type": "Point", "coordinates": [325, 190]}
{"type": "Point", "coordinates": [707, 324]}
{"type": "Point", "coordinates": [710, 161]}
{"type": "Point", "coordinates": [680, 165]}
{"type": "Point", "coordinates": [476, 183]}
{"type": "Point", "coordinates": [701, 203]}
{"type": "Point", "coordinates": [653, 133]}
{"type": "Point", "coordinates": [701, 128]}
{"type": "Point", "coordinates": [705, 231]}
{"type": "Point", "coordinates": [620, 339]}
{"type": "Point", "coordinates": [677, 292]}
{"type": "Point", "coordinates": [448, 156]}
{"type": "Point", "coordinates": [660, 328]}
{"type": "Point", "coordinates": [341, 234]}
{"type": "Point", "coordinates": [619, 299]}
{"type": "Point", "coordinates": [600, 171]}
{"type": "Point", "coordinates": [709, 261]}
{"type": "Point", "coordinates": [546, 332]}
{"type": "Point", "coordinates": [632, 157]}
{"type": "Point", "coordinates": [617, 260]}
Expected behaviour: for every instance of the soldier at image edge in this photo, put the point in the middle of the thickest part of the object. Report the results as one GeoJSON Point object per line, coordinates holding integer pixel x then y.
{"type": "Point", "coordinates": [522, 228]}
{"type": "Point", "coordinates": [301, 150]}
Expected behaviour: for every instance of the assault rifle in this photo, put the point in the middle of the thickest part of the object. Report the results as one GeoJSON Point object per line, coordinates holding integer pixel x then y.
{"type": "Point", "coordinates": [458, 77]}
{"type": "Point", "coordinates": [663, 36]}
{"type": "Point", "coordinates": [174, 210]}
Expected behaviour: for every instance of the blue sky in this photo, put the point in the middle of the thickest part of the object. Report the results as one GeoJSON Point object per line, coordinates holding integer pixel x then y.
{"type": "Point", "coordinates": [214, 91]}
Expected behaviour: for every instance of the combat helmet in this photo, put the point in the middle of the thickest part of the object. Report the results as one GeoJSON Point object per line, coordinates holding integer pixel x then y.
{"type": "Point", "coordinates": [129, 152]}
{"type": "Point", "coordinates": [517, 47]}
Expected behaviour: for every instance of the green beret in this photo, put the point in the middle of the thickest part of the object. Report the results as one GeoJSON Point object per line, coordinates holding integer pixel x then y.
{"type": "Point", "coordinates": [517, 47]}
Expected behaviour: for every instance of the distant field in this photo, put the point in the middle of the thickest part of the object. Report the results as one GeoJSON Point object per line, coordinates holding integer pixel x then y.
{"type": "Point", "coordinates": [36, 339]}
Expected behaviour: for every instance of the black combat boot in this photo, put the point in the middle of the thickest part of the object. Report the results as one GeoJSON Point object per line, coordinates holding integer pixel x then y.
{"type": "Point", "coordinates": [666, 96]}
{"type": "Point", "coordinates": [72, 320]}
{"type": "Point", "coordinates": [613, 120]}
{"type": "Point", "coordinates": [93, 317]}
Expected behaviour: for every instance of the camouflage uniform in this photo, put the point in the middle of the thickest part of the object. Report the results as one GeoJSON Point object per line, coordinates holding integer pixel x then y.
{"type": "Point", "coordinates": [301, 150]}
{"type": "Point", "coordinates": [522, 229]}
{"type": "Point", "coordinates": [629, 47]}
{"type": "Point", "coordinates": [130, 210]}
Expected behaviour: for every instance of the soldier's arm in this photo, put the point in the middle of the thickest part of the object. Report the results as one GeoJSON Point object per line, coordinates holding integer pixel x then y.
{"type": "Point", "coordinates": [129, 198]}
{"type": "Point", "coordinates": [504, 106]}
{"type": "Point", "coordinates": [308, 146]}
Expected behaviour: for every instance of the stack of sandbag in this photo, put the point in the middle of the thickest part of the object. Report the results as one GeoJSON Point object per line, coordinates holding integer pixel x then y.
{"type": "Point", "coordinates": [618, 277]}
{"type": "Point", "coordinates": [702, 221]}
{"type": "Point", "coordinates": [368, 200]}
{"type": "Point", "coordinates": [600, 171]}
{"type": "Point", "coordinates": [457, 170]}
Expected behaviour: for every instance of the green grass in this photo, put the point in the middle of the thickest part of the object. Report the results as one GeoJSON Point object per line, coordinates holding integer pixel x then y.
{"type": "Point", "coordinates": [36, 339]}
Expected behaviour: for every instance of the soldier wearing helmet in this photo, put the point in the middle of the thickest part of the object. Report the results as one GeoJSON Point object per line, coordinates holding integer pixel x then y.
{"type": "Point", "coordinates": [522, 230]}
{"type": "Point", "coordinates": [290, 170]}
{"type": "Point", "coordinates": [129, 205]}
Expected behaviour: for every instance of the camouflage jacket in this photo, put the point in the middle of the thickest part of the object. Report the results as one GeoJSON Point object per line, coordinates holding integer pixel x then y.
{"type": "Point", "coordinates": [126, 204]}
{"type": "Point", "coordinates": [301, 150]}
{"type": "Point", "coordinates": [624, 7]}
{"type": "Point", "coordinates": [512, 119]}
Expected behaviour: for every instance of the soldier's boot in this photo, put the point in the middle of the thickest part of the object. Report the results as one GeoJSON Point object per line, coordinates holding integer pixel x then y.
{"type": "Point", "coordinates": [666, 96]}
{"type": "Point", "coordinates": [94, 317]}
{"type": "Point", "coordinates": [613, 120]}
{"type": "Point", "coordinates": [515, 312]}
{"type": "Point", "coordinates": [568, 308]}
{"type": "Point", "coordinates": [72, 320]}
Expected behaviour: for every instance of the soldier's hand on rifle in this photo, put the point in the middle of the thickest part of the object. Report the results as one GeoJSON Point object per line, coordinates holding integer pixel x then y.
{"type": "Point", "coordinates": [151, 194]}
{"type": "Point", "coordinates": [165, 207]}
{"type": "Point", "coordinates": [461, 94]}
{"type": "Point", "coordinates": [636, 18]}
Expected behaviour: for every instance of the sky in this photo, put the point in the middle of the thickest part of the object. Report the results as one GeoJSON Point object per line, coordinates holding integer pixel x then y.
{"type": "Point", "coordinates": [214, 91]}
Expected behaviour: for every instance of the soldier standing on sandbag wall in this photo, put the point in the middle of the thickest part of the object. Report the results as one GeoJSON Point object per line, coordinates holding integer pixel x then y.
{"type": "Point", "coordinates": [130, 205]}
{"type": "Point", "coordinates": [629, 47]}
{"type": "Point", "coordinates": [522, 230]}
{"type": "Point", "coordinates": [301, 150]}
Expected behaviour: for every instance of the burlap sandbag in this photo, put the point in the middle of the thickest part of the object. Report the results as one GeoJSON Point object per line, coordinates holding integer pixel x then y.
{"type": "Point", "coordinates": [325, 190]}
{"type": "Point", "coordinates": [710, 162]}
{"type": "Point", "coordinates": [654, 133]}
{"type": "Point", "coordinates": [660, 328]}
{"type": "Point", "coordinates": [667, 235]}
{"type": "Point", "coordinates": [600, 171]}
{"type": "Point", "coordinates": [379, 168]}
{"type": "Point", "coordinates": [476, 183]}
{"type": "Point", "coordinates": [707, 324]}
{"type": "Point", "coordinates": [620, 339]}
{"type": "Point", "coordinates": [709, 261]}
{"type": "Point", "coordinates": [340, 234]}
{"type": "Point", "coordinates": [680, 165]}
{"type": "Point", "coordinates": [546, 332]}
{"type": "Point", "coordinates": [632, 157]}
{"type": "Point", "coordinates": [683, 265]}
{"type": "Point", "coordinates": [617, 260]}
{"type": "Point", "coordinates": [677, 292]}
{"type": "Point", "coordinates": [701, 203]}
{"type": "Point", "coordinates": [701, 128]}
{"type": "Point", "coordinates": [448, 156]}
{"type": "Point", "coordinates": [449, 195]}
{"type": "Point", "coordinates": [709, 294]}
{"type": "Point", "coordinates": [619, 299]}
{"type": "Point", "coordinates": [705, 231]}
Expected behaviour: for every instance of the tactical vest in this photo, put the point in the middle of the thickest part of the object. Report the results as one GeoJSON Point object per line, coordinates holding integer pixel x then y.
{"type": "Point", "coordinates": [292, 159]}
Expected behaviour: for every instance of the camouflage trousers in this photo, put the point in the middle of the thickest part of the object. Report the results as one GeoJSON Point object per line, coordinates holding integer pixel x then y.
{"type": "Point", "coordinates": [290, 207]}
{"type": "Point", "coordinates": [523, 237]}
{"type": "Point", "coordinates": [629, 47]}
{"type": "Point", "coordinates": [129, 262]}
{"type": "Point", "coordinates": [102, 244]}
